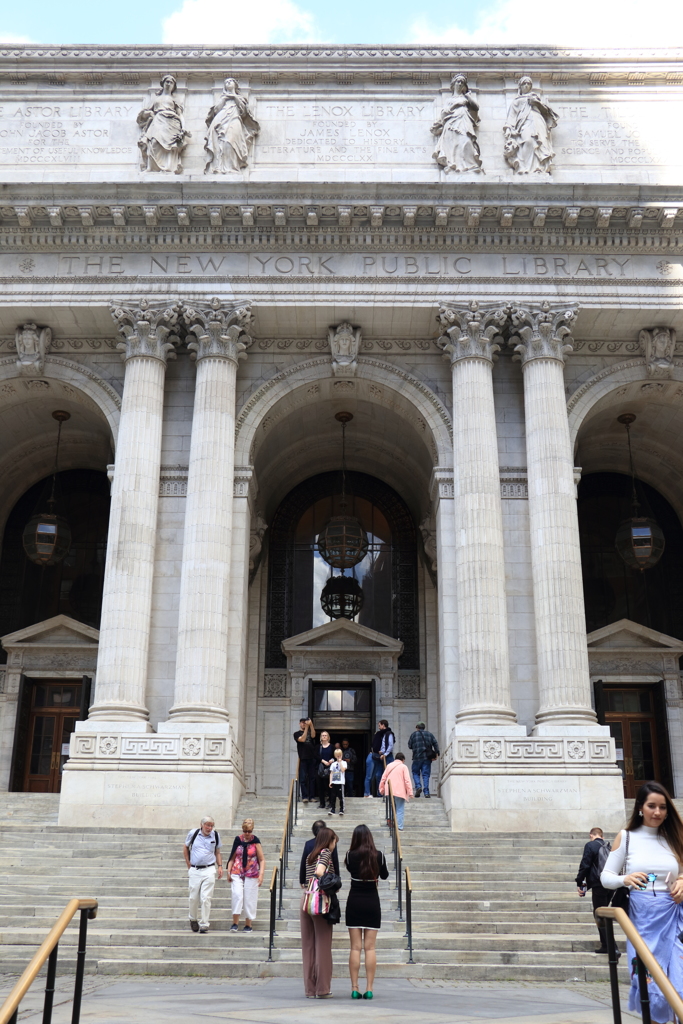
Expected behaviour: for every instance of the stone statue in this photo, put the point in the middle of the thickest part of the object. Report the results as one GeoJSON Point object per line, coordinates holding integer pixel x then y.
{"type": "Point", "coordinates": [259, 527]}
{"type": "Point", "coordinates": [528, 146]}
{"type": "Point", "coordinates": [231, 131]}
{"type": "Point", "coordinates": [456, 130]}
{"type": "Point", "coordinates": [658, 346]}
{"type": "Point", "coordinates": [32, 344]}
{"type": "Point", "coordinates": [344, 345]}
{"type": "Point", "coordinates": [164, 136]}
{"type": "Point", "coordinates": [429, 540]}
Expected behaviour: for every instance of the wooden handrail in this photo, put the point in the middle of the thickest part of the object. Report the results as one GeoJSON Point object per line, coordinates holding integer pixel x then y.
{"type": "Point", "coordinates": [409, 884]}
{"type": "Point", "coordinates": [54, 935]}
{"type": "Point", "coordinates": [273, 880]}
{"type": "Point", "coordinates": [393, 810]}
{"type": "Point", "coordinates": [635, 938]}
{"type": "Point", "coordinates": [283, 844]}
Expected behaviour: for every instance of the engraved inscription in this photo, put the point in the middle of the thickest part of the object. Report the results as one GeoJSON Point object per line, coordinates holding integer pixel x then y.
{"type": "Point", "coordinates": [65, 133]}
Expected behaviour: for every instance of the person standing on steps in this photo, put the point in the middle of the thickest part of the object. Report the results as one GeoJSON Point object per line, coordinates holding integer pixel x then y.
{"type": "Point", "coordinates": [647, 858]}
{"type": "Point", "coordinates": [246, 868]}
{"type": "Point", "coordinates": [308, 766]}
{"type": "Point", "coordinates": [202, 852]}
{"type": "Point", "coordinates": [588, 877]}
{"type": "Point", "coordinates": [350, 757]}
{"type": "Point", "coordinates": [425, 750]}
{"type": "Point", "coordinates": [366, 865]}
{"type": "Point", "coordinates": [316, 932]}
{"type": "Point", "coordinates": [324, 758]}
{"type": "Point", "coordinates": [382, 752]}
{"type": "Point", "coordinates": [337, 773]}
{"type": "Point", "coordinates": [308, 846]}
{"type": "Point", "coordinates": [401, 786]}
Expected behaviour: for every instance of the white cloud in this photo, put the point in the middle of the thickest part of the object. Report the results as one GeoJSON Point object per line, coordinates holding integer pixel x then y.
{"type": "Point", "coordinates": [9, 40]}
{"type": "Point", "coordinates": [587, 24]}
{"type": "Point", "coordinates": [227, 22]}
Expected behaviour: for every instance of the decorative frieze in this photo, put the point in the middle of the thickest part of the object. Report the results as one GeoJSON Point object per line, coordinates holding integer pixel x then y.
{"type": "Point", "coordinates": [185, 751]}
{"type": "Point", "coordinates": [493, 752]}
{"type": "Point", "coordinates": [173, 482]}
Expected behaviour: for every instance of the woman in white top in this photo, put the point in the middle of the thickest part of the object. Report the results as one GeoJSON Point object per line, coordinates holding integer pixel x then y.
{"type": "Point", "coordinates": [647, 857]}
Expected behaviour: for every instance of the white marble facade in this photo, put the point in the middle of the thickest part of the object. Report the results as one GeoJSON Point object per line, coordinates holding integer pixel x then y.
{"type": "Point", "coordinates": [484, 326]}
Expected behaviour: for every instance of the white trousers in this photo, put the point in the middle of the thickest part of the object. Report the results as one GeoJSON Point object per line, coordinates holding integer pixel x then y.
{"type": "Point", "coordinates": [201, 883]}
{"type": "Point", "coordinates": [245, 896]}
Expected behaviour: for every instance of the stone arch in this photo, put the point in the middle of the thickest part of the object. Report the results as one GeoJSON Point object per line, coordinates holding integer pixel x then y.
{"type": "Point", "coordinates": [390, 383]}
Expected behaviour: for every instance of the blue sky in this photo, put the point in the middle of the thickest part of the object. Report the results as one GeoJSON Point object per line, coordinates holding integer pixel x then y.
{"type": "Point", "coordinates": [608, 23]}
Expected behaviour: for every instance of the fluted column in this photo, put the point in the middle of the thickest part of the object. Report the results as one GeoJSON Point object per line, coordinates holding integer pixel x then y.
{"type": "Point", "coordinates": [127, 594]}
{"type": "Point", "coordinates": [541, 341]}
{"type": "Point", "coordinates": [201, 661]}
{"type": "Point", "coordinates": [471, 339]}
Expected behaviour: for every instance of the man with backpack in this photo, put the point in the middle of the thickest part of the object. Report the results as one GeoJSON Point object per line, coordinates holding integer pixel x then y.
{"type": "Point", "coordinates": [595, 854]}
{"type": "Point", "coordinates": [425, 750]}
{"type": "Point", "coordinates": [202, 852]}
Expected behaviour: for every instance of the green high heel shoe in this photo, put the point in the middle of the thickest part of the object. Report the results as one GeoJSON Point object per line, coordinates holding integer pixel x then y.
{"type": "Point", "coordinates": [356, 994]}
{"type": "Point", "coordinates": [367, 995]}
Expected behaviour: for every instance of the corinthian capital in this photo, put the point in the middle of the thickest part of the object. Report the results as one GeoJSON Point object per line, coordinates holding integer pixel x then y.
{"type": "Point", "coordinates": [221, 332]}
{"type": "Point", "coordinates": [543, 333]}
{"type": "Point", "coordinates": [471, 333]}
{"type": "Point", "coordinates": [148, 330]}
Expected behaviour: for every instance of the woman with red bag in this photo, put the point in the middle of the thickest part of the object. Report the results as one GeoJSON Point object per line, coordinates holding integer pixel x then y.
{"type": "Point", "coordinates": [316, 929]}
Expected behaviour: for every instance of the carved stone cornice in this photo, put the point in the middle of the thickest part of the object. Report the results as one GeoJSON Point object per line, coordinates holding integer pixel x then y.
{"type": "Point", "coordinates": [542, 333]}
{"type": "Point", "coordinates": [147, 330]}
{"type": "Point", "coordinates": [471, 333]}
{"type": "Point", "coordinates": [221, 332]}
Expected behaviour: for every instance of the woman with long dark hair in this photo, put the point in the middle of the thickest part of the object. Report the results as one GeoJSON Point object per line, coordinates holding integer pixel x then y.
{"type": "Point", "coordinates": [366, 865]}
{"type": "Point", "coordinates": [647, 857]}
{"type": "Point", "coordinates": [316, 932]}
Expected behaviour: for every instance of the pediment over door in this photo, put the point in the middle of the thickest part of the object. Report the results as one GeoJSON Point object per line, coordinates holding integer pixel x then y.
{"type": "Point", "coordinates": [342, 647]}
{"type": "Point", "coordinates": [60, 644]}
{"type": "Point", "coordinates": [629, 649]}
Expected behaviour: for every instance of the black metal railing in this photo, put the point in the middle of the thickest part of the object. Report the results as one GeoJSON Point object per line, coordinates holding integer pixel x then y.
{"type": "Point", "coordinates": [273, 910]}
{"type": "Point", "coordinates": [291, 817]}
{"type": "Point", "coordinates": [49, 951]}
{"type": "Point", "coordinates": [400, 870]}
{"type": "Point", "coordinates": [645, 964]}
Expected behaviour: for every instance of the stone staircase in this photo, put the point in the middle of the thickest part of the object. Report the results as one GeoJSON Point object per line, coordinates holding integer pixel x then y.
{"type": "Point", "coordinates": [485, 906]}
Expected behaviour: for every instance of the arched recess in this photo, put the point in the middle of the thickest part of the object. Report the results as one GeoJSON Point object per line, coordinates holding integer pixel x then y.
{"type": "Point", "coordinates": [600, 440]}
{"type": "Point", "coordinates": [28, 432]}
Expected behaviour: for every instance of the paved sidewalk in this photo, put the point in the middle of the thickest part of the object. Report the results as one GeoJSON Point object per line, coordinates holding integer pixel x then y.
{"type": "Point", "coordinates": [281, 1001]}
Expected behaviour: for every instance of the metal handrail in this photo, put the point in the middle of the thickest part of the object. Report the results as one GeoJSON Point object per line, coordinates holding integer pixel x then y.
{"type": "Point", "coordinates": [409, 915]}
{"type": "Point", "coordinates": [273, 905]}
{"type": "Point", "coordinates": [396, 847]}
{"type": "Point", "coordinates": [645, 962]}
{"type": "Point", "coordinates": [291, 818]}
{"type": "Point", "coordinates": [48, 951]}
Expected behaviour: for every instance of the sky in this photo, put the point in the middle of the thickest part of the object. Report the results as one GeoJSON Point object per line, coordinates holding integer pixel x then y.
{"type": "Point", "coordinates": [582, 23]}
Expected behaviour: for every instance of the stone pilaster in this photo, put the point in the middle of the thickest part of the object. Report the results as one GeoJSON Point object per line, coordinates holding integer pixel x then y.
{"type": "Point", "coordinates": [441, 493]}
{"type": "Point", "coordinates": [127, 595]}
{"type": "Point", "coordinates": [471, 339]}
{"type": "Point", "coordinates": [541, 341]}
{"type": "Point", "coordinates": [201, 663]}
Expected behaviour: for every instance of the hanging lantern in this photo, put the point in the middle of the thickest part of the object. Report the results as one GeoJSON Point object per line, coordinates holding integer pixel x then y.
{"type": "Point", "coordinates": [342, 597]}
{"type": "Point", "coordinates": [343, 542]}
{"type": "Point", "coordinates": [47, 537]}
{"type": "Point", "coordinates": [639, 540]}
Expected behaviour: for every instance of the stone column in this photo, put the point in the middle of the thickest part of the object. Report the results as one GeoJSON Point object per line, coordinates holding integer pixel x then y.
{"type": "Point", "coordinates": [541, 341]}
{"type": "Point", "coordinates": [127, 595]}
{"type": "Point", "coordinates": [201, 662]}
{"type": "Point", "coordinates": [471, 339]}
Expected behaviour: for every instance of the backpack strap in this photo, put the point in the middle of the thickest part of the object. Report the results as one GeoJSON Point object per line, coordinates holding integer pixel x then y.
{"type": "Point", "coordinates": [189, 845]}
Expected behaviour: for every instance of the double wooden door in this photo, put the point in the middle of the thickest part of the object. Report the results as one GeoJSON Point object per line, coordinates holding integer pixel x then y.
{"type": "Point", "coordinates": [55, 709]}
{"type": "Point", "coordinates": [630, 715]}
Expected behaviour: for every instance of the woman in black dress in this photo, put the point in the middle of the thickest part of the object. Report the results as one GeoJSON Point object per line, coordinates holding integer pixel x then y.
{"type": "Point", "coordinates": [366, 865]}
{"type": "Point", "coordinates": [325, 757]}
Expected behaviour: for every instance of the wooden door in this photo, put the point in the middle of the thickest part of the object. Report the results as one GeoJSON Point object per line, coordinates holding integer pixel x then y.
{"type": "Point", "coordinates": [629, 713]}
{"type": "Point", "coordinates": [54, 713]}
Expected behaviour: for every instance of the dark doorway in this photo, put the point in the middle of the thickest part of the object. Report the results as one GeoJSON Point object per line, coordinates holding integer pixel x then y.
{"type": "Point", "coordinates": [55, 709]}
{"type": "Point", "coordinates": [629, 713]}
{"type": "Point", "coordinates": [346, 711]}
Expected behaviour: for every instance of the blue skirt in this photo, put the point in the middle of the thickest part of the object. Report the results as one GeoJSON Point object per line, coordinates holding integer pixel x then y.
{"type": "Point", "coordinates": [660, 922]}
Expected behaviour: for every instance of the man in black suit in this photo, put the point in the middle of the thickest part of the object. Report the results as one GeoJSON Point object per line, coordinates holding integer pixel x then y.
{"type": "Point", "coordinates": [589, 875]}
{"type": "Point", "coordinates": [308, 846]}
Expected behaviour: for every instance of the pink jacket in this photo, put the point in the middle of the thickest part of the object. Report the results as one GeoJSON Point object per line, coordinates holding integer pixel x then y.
{"type": "Point", "coordinates": [399, 776]}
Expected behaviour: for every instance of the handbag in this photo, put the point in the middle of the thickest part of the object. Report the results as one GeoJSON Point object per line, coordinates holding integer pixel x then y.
{"type": "Point", "coordinates": [315, 901]}
{"type": "Point", "coordinates": [323, 770]}
{"type": "Point", "coordinates": [330, 883]}
{"type": "Point", "coordinates": [622, 896]}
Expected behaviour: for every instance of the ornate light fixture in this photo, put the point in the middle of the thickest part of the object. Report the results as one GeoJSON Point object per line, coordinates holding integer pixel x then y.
{"type": "Point", "coordinates": [47, 537]}
{"type": "Point", "coordinates": [341, 597]}
{"type": "Point", "coordinates": [343, 542]}
{"type": "Point", "coordinates": [639, 540]}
